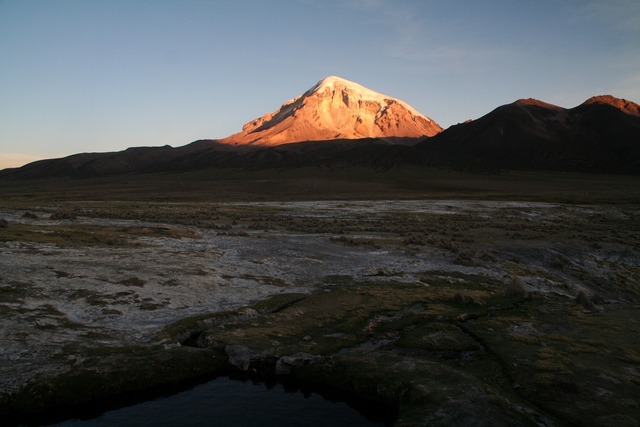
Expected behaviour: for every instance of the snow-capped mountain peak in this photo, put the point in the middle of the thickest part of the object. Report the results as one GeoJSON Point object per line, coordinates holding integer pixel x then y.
{"type": "Point", "coordinates": [336, 108]}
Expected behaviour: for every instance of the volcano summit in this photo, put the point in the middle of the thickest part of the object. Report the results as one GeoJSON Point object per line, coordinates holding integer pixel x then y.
{"type": "Point", "coordinates": [336, 109]}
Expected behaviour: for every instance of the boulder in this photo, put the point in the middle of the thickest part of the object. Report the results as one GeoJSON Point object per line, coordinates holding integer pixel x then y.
{"type": "Point", "coordinates": [239, 356]}
{"type": "Point", "coordinates": [285, 363]}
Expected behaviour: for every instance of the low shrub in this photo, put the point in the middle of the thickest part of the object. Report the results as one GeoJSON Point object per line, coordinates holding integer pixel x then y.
{"type": "Point", "coordinates": [515, 288]}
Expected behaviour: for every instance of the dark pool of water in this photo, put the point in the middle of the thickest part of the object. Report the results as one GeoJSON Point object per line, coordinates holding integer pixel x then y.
{"type": "Point", "coordinates": [226, 402]}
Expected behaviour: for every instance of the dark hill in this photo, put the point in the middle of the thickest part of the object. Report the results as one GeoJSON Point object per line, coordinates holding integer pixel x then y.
{"type": "Point", "coordinates": [207, 154]}
{"type": "Point", "coordinates": [600, 135]}
{"type": "Point", "coordinates": [347, 152]}
{"type": "Point", "coordinates": [131, 160]}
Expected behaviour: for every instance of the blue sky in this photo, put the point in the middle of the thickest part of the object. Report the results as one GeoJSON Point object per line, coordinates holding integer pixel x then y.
{"type": "Point", "coordinates": [88, 75]}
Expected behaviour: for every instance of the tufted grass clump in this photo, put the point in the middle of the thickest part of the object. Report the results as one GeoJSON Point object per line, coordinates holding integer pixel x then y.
{"type": "Point", "coordinates": [563, 261]}
{"type": "Point", "coordinates": [515, 288]}
{"type": "Point", "coordinates": [583, 298]}
{"type": "Point", "coordinates": [62, 214]}
{"type": "Point", "coordinates": [597, 298]}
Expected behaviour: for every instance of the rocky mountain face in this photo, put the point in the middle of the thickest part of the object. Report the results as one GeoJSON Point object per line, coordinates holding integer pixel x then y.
{"type": "Point", "coordinates": [600, 135]}
{"type": "Point", "coordinates": [621, 104]}
{"type": "Point", "coordinates": [336, 109]}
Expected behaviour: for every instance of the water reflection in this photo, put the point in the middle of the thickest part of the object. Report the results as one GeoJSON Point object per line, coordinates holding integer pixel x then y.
{"type": "Point", "coordinates": [225, 402]}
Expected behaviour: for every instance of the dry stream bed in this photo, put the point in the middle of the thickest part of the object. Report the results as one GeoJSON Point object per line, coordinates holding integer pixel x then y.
{"type": "Point", "coordinates": [457, 312]}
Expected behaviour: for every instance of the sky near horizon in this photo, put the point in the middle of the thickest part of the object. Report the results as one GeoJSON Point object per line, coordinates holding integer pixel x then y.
{"type": "Point", "coordinates": [87, 76]}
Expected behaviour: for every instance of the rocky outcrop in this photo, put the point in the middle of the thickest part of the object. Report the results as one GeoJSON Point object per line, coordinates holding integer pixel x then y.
{"type": "Point", "coordinates": [285, 363]}
{"type": "Point", "coordinates": [239, 356]}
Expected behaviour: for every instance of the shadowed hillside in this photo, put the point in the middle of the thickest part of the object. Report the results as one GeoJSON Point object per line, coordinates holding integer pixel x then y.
{"type": "Point", "coordinates": [601, 135]}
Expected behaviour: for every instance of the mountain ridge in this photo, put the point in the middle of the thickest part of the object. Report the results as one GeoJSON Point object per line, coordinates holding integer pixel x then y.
{"type": "Point", "coordinates": [601, 135]}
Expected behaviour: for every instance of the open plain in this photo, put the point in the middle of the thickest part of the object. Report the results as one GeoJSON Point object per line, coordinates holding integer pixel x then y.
{"type": "Point", "coordinates": [496, 310]}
